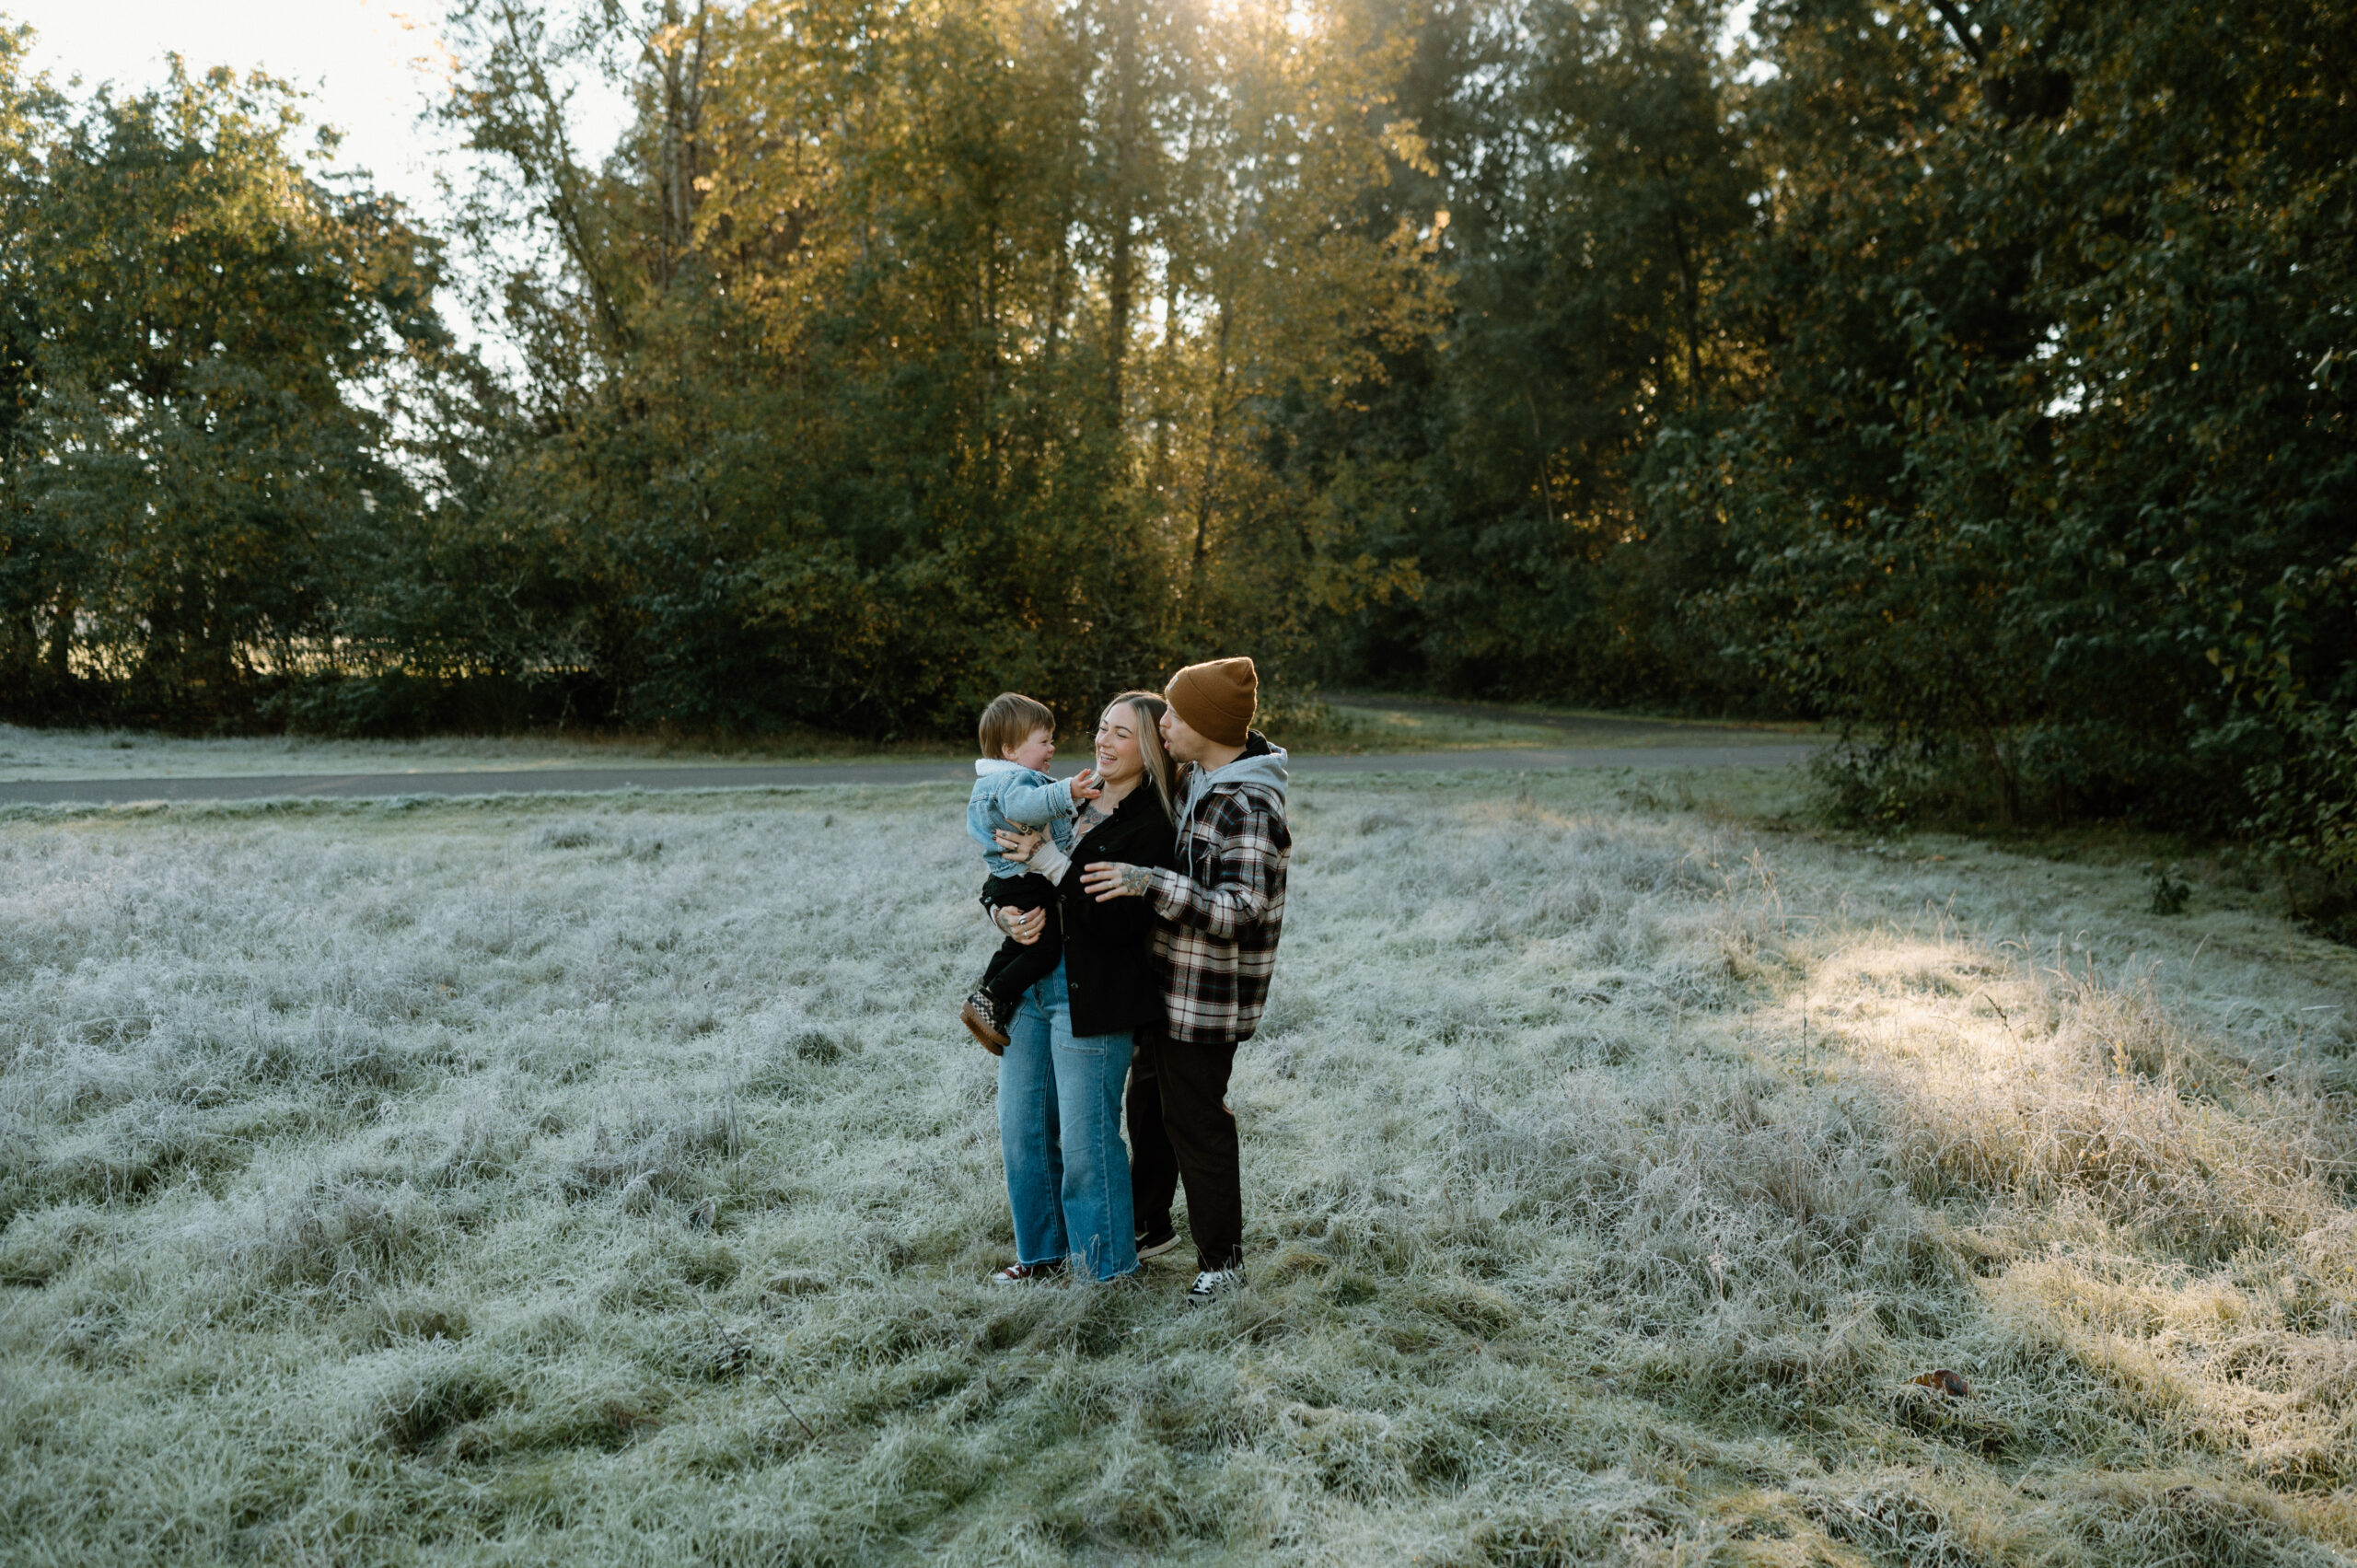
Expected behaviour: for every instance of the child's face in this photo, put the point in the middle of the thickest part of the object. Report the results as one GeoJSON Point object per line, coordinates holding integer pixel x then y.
{"type": "Point", "coordinates": [1034, 753]}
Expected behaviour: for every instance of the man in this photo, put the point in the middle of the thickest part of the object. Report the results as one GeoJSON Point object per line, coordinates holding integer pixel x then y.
{"type": "Point", "coordinates": [1215, 943]}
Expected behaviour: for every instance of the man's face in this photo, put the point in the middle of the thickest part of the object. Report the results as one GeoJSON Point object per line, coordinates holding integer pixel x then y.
{"type": "Point", "coordinates": [1184, 743]}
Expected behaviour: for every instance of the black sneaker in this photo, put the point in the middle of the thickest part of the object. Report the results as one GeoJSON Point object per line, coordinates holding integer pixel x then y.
{"type": "Point", "coordinates": [980, 1015]}
{"type": "Point", "coordinates": [1154, 1243]}
{"type": "Point", "coordinates": [1214, 1284]}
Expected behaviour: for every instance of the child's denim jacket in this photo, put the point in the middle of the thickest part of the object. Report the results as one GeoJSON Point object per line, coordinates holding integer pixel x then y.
{"type": "Point", "coordinates": [1006, 795]}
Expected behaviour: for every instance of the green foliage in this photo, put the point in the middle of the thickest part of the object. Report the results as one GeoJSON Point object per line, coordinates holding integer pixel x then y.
{"type": "Point", "coordinates": [1596, 192]}
{"type": "Point", "coordinates": [902, 354]}
{"type": "Point", "coordinates": [2053, 434]}
{"type": "Point", "coordinates": [1971, 375]}
{"type": "Point", "coordinates": [1867, 787]}
{"type": "Point", "coordinates": [206, 340]}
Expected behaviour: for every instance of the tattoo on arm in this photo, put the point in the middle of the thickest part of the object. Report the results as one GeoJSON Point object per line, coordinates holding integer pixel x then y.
{"type": "Point", "coordinates": [1136, 879]}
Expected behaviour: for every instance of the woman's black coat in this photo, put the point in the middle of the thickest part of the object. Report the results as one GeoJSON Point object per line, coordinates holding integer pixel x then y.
{"type": "Point", "coordinates": [1108, 971]}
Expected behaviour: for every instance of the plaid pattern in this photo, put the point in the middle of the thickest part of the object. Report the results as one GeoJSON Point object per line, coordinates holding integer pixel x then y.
{"type": "Point", "coordinates": [1215, 935]}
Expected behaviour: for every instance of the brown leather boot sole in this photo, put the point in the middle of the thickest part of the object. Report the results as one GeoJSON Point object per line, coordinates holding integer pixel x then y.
{"type": "Point", "coordinates": [992, 1042]}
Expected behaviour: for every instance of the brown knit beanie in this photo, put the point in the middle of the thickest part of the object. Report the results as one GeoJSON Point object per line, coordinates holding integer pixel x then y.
{"type": "Point", "coordinates": [1216, 698]}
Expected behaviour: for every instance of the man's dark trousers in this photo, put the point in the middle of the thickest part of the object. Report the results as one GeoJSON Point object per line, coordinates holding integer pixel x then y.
{"type": "Point", "coordinates": [1180, 1130]}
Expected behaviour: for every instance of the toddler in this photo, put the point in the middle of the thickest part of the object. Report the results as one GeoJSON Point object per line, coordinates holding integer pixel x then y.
{"type": "Point", "coordinates": [1013, 791]}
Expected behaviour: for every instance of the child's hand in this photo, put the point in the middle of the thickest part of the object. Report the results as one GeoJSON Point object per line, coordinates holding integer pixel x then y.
{"type": "Point", "coordinates": [1085, 785]}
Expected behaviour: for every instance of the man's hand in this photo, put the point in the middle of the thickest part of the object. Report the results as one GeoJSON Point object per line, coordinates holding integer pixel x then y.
{"type": "Point", "coordinates": [1024, 925]}
{"type": "Point", "coordinates": [1086, 786]}
{"type": "Point", "coordinates": [1017, 847]}
{"type": "Point", "coordinates": [1112, 879]}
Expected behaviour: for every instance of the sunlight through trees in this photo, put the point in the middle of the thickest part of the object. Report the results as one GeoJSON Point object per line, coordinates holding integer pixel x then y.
{"type": "Point", "coordinates": [1971, 375]}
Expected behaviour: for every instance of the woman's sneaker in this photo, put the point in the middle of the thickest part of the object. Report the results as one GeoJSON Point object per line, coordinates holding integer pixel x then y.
{"type": "Point", "coordinates": [980, 1015]}
{"type": "Point", "coordinates": [1030, 1274]}
{"type": "Point", "coordinates": [1212, 1284]}
{"type": "Point", "coordinates": [1154, 1243]}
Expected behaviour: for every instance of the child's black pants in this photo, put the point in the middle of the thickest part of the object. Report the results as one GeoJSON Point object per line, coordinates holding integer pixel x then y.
{"type": "Point", "coordinates": [1015, 968]}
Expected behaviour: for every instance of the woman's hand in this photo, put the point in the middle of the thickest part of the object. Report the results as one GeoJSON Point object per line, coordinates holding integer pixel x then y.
{"type": "Point", "coordinates": [1024, 925]}
{"type": "Point", "coordinates": [1017, 847]}
{"type": "Point", "coordinates": [1112, 879]}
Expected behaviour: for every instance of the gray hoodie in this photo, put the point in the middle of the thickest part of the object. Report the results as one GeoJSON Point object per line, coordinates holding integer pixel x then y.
{"type": "Point", "coordinates": [1264, 771]}
{"type": "Point", "coordinates": [1216, 940]}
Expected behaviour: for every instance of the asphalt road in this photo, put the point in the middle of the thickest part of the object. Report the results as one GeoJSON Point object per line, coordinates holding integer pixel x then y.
{"type": "Point", "coordinates": [789, 776]}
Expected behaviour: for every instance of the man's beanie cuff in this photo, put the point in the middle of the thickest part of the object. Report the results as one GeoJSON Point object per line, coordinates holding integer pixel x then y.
{"type": "Point", "coordinates": [1217, 698]}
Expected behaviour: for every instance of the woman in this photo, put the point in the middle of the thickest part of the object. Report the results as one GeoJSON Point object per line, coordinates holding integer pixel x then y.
{"type": "Point", "coordinates": [1068, 1046]}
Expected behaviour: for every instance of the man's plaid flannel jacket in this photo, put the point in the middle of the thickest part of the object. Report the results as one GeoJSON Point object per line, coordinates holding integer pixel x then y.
{"type": "Point", "coordinates": [1219, 916]}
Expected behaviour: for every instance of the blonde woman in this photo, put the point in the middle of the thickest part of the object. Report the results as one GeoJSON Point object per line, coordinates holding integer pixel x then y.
{"type": "Point", "coordinates": [1069, 1044]}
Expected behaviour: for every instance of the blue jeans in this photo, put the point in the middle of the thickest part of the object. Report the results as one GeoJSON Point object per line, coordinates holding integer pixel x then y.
{"type": "Point", "coordinates": [1060, 1128]}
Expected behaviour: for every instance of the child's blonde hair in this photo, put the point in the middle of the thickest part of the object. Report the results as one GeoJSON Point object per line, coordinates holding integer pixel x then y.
{"type": "Point", "coordinates": [1008, 722]}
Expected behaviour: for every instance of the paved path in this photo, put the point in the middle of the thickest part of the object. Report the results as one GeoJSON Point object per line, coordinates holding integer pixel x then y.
{"type": "Point", "coordinates": [788, 776]}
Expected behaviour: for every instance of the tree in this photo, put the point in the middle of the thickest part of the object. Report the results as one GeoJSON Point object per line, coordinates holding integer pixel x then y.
{"type": "Point", "coordinates": [1595, 186]}
{"type": "Point", "coordinates": [2050, 425]}
{"type": "Point", "coordinates": [205, 340]}
{"type": "Point", "coordinates": [963, 378]}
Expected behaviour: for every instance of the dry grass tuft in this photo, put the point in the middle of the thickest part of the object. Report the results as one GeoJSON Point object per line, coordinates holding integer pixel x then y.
{"type": "Point", "coordinates": [605, 1180]}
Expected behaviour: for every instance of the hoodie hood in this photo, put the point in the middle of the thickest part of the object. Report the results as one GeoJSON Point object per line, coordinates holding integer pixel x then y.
{"type": "Point", "coordinates": [1262, 766]}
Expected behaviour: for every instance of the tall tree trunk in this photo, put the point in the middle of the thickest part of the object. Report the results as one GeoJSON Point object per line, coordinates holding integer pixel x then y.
{"type": "Point", "coordinates": [1211, 437]}
{"type": "Point", "coordinates": [1164, 416]}
{"type": "Point", "coordinates": [1121, 270]}
{"type": "Point", "coordinates": [677, 53]}
{"type": "Point", "coordinates": [1539, 444]}
{"type": "Point", "coordinates": [989, 348]}
{"type": "Point", "coordinates": [60, 641]}
{"type": "Point", "coordinates": [1118, 284]}
{"type": "Point", "coordinates": [1693, 309]}
{"type": "Point", "coordinates": [1044, 401]}
{"type": "Point", "coordinates": [548, 160]}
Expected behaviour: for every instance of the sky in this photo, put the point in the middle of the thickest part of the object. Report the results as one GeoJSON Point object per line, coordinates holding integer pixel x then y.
{"type": "Point", "coordinates": [370, 66]}
{"type": "Point", "coordinates": [369, 63]}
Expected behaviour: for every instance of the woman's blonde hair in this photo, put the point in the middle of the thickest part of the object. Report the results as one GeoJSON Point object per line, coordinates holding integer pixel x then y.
{"type": "Point", "coordinates": [1160, 770]}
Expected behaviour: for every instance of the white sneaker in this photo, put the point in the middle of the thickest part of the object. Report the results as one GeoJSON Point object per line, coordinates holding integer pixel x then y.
{"type": "Point", "coordinates": [1212, 1284]}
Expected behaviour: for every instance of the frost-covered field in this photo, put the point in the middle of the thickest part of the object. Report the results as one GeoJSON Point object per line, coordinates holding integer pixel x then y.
{"type": "Point", "coordinates": [145, 754]}
{"type": "Point", "coordinates": [607, 1181]}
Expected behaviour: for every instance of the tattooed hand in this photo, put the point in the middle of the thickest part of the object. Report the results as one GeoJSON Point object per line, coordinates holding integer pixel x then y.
{"type": "Point", "coordinates": [1024, 925]}
{"type": "Point", "coordinates": [1112, 879]}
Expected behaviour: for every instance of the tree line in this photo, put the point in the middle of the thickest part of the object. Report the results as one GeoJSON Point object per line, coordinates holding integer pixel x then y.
{"type": "Point", "coordinates": [1972, 373]}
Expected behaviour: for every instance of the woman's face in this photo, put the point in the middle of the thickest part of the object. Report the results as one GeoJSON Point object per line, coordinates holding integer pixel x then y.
{"type": "Point", "coordinates": [1117, 763]}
